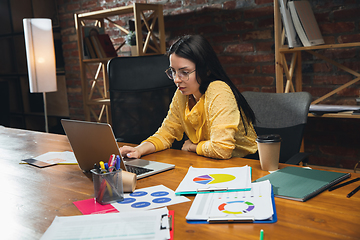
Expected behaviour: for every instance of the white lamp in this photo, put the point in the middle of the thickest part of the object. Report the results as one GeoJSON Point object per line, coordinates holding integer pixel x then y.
{"type": "Point", "coordinates": [40, 55]}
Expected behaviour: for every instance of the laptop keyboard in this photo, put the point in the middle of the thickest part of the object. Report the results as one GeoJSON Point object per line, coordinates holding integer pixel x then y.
{"type": "Point", "coordinates": [137, 170]}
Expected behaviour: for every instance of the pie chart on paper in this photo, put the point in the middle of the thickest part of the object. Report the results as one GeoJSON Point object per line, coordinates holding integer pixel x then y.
{"type": "Point", "coordinates": [213, 178]}
{"type": "Point", "coordinates": [236, 207]}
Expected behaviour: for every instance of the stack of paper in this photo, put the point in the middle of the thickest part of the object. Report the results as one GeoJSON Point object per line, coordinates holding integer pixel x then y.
{"type": "Point", "coordinates": [66, 157]}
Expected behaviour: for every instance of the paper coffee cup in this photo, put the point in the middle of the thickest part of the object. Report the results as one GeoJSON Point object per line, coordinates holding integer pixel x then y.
{"type": "Point", "coordinates": [129, 181]}
{"type": "Point", "coordinates": [269, 151]}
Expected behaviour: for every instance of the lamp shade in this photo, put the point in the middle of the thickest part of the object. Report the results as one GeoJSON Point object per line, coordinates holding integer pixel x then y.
{"type": "Point", "coordinates": [40, 54]}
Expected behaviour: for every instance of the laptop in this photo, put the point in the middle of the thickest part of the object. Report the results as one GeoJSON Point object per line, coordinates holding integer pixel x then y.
{"type": "Point", "coordinates": [94, 142]}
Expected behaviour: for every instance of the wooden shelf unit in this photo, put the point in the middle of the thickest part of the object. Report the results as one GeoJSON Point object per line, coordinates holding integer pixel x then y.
{"type": "Point", "coordinates": [337, 115]}
{"type": "Point", "coordinates": [148, 18]}
{"type": "Point", "coordinates": [294, 69]}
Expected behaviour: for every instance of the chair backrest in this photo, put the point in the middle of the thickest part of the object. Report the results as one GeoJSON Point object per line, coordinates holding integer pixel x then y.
{"type": "Point", "coordinates": [281, 113]}
{"type": "Point", "coordinates": [140, 95]}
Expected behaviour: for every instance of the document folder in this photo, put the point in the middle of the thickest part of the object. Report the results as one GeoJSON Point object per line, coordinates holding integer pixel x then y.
{"type": "Point", "coordinates": [273, 219]}
{"type": "Point", "coordinates": [301, 184]}
{"type": "Point", "coordinates": [230, 207]}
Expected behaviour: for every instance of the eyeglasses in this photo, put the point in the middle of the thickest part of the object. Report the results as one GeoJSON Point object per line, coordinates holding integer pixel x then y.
{"type": "Point", "coordinates": [182, 74]}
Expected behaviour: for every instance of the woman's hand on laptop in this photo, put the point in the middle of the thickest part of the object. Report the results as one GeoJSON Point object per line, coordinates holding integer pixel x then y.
{"type": "Point", "coordinates": [130, 152]}
{"type": "Point", "coordinates": [138, 151]}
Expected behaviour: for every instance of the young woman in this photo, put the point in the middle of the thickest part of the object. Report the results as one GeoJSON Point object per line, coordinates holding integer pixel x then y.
{"type": "Point", "coordinates": [206, 106]}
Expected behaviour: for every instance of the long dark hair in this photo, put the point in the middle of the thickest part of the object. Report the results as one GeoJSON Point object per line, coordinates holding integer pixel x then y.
{"type": "Point", "coordinates": [208, 68]}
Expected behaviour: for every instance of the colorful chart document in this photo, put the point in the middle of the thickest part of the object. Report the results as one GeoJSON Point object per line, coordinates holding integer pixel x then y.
{"type": "Point", "coordinates": [201, 180]}
{"type": "Point", "coordinates": [234, 206]}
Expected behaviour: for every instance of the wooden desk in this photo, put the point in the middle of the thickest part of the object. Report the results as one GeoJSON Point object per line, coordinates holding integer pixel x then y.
{"type": "Point", "coordinates": [32, 197]}
{"type": "Point", "coordinates": [336, 115]}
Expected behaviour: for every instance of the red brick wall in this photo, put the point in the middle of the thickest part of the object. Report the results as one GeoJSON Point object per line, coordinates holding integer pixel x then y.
{"type": "Point", "coordinates": [241, 32]}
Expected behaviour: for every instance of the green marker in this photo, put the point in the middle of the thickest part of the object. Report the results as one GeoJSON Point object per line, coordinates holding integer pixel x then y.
{"type": "Point", "coordinates": [261, 234]}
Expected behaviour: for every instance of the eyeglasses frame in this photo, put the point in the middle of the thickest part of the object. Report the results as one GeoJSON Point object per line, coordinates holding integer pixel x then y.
{"type": "Point", "coordinates": [171, 69]}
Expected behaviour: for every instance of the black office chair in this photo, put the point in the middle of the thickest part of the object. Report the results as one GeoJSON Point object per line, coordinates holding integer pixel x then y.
{"type": "Point", "coordinates": [140, 96]}
{"type": "Point", "coordinates": [284, 114]}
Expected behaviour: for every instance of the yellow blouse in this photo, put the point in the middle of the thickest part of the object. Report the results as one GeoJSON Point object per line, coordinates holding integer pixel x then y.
{"type": "Point", "coordinates": [214, 123]}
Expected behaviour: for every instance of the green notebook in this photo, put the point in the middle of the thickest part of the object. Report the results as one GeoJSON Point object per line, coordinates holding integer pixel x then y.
{"type": "Point", "coordinates": [301, 184]}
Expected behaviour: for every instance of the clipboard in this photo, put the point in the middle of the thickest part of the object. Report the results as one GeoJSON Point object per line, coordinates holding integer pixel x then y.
{"type": "Point", "coordinates": [64, 226]}
{"type": "Point", "coordinates": [170, 224]}
{"type": "Point", "coordinates": [273, 219]}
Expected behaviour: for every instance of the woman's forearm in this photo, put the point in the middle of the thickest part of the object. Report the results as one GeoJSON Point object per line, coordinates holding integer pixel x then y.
{"type": "Point", "coordinates": [145, 148]}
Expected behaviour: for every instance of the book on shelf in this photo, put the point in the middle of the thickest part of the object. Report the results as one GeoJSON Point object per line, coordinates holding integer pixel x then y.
{"type": "Point", "coordinates": [92, 30]}
{"type": "Point", "coordinates": [305, 23]}
{"type": "Point", "coordinates": [97, 46]}
{"type": "Point", "coordinates": [106, 45]}
{"type": "Point", "coordinates": [290, 33]}
{"type": "Point", "coordinates": [103, 54]}
{"type": "Point", "coordinates": [87, 32]}
{"type": "Point", "coordinates": [89, 48]}
{"type": "Point", "coordinates": [301, 184]}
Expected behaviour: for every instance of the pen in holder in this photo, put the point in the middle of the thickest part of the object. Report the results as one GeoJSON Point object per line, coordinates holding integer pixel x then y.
{"type": "Point", "coordinates": [108, 186]}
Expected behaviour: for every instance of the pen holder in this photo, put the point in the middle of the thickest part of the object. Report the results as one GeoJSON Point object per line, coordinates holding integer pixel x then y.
{"type": "Point", "coordinates": [108, 187]}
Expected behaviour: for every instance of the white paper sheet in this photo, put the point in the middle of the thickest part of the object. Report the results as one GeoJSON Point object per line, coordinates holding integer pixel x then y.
{"type": "Point", "coordinates": [255, 204]}
{"type": "Point", "coordinates": [137, 225]}
{"type": "Point", "coordinates": [65, 157]}
{"type": "Point", "coordinates": [149, 198]}
{"type": "Point", "coordinates": [198, 179]}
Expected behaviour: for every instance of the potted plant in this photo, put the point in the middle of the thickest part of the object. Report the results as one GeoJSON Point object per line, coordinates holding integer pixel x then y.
{"type": "Point", "coordinates": [130, 39]}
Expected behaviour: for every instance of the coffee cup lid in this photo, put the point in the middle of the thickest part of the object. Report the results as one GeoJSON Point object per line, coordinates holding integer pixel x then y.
{"type": "Point", "coordinates": [268, 138]}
